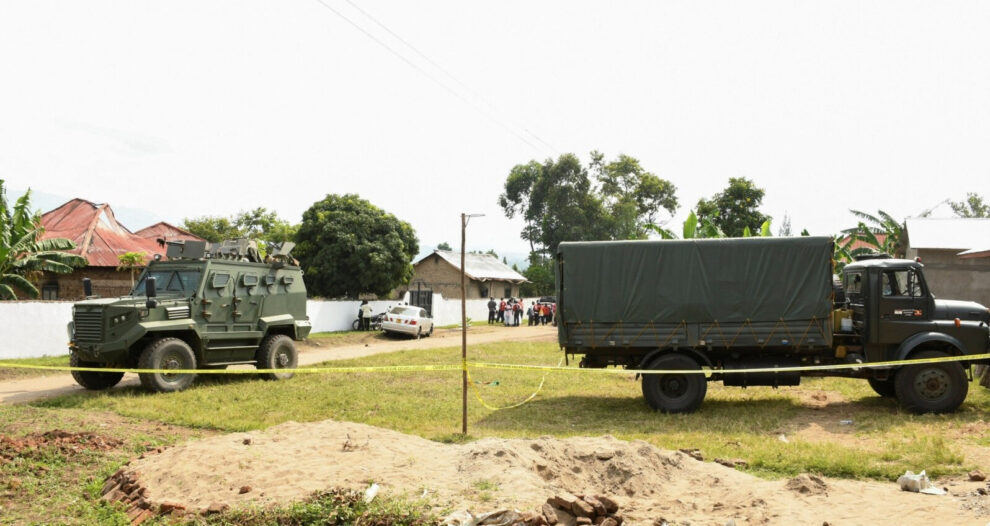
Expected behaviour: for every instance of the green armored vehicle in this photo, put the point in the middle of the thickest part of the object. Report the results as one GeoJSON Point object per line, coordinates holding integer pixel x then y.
{"type": "Point", "coordinates": [199, 308]}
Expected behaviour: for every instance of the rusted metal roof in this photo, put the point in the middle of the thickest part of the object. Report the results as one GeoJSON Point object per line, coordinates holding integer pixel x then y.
{"type": "Point", "coordinates": [480, 267]}
{"type": "Point", "coordinates": [95, 231]}
{"type": "Point", "coordinates": [168, 232]}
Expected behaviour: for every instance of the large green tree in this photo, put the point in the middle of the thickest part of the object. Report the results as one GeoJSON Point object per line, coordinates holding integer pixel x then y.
{"type": "Point", "coordinates": [734, 209]}
{"type": "Point", "coordinates": [973, 206]}
{"type": "Point", "coordinates": [348, 246]}
{"type": "Point", "coordinates": [259, 224]}
{"type": "Point", "coordinates": [23, 253]}
{"type": "Point", "coordinates": [563, 200]}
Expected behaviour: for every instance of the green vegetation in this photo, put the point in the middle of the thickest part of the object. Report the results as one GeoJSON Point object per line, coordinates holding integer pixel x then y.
{"type": "Point", "coordinates": [348, 246]}
{"type": "Point", "coordinates": [564, 201]}
{"type": "Point", "coordinates": [7, 373]}
{"type": "Point", "coordinates": [259, 224]}
{"type": "Point", "coordinates": [733, 423]}
{"type": "Point", "coordinates": [973, 206]}
{"type": "Point", "coordinates": [735, 209]}
{"type": "Point", "coordinates": [23, 255]}
{"type": "Point", "coordinates": [335, 507]}
{"type": "Point", "coordinates": [44, 478]}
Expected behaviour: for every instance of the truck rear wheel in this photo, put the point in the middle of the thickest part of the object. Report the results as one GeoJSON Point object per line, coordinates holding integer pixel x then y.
{"type": "Point", "coordinates": [167, 353]}
{"type": "Point", "coordinates": [884, 388]}
{"type": "Point", "coordinates": [277, 352]}
{"type": "Point", "coordinates": [931, 387]}
{"type": "Point", "coordinates": [92, 380]}
{"type": "Point", "coordinates": [674, 393]}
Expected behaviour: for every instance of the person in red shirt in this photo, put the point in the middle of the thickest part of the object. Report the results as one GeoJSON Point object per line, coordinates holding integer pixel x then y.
{"type": "Point", "coordinates": [501, 311]}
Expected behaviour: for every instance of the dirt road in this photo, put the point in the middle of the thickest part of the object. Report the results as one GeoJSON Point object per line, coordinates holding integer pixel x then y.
{"type": "Point", "coordinates": [310, 352]}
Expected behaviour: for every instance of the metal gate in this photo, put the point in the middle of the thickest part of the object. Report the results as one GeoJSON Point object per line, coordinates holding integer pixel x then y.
{"type": "Point", "coordinates": [422, 298]}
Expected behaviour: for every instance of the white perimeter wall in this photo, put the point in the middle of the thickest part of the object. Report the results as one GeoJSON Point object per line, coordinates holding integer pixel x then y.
{"type": "Point", "coordinates": [30, 329]}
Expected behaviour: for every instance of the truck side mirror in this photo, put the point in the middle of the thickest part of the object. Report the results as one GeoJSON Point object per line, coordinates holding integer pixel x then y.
{"type": "Point", "coordinates": [149, 290]}
{"type": "Point", "coordinates": [87, 287]}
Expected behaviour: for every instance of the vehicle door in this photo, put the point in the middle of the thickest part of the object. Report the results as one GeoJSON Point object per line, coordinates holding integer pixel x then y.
{"type": "Point", "coordinates": [247, 300]}
{"type": "Point", "coordinates": [904, 306]}
{"type": "Point", "coordinates": [425, 320]}
{"type": "Point", "coordinates": [216, 301]}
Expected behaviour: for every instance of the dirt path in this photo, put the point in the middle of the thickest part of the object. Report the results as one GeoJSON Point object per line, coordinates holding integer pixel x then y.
{"type": "Point", "coordinates": [314, 351]}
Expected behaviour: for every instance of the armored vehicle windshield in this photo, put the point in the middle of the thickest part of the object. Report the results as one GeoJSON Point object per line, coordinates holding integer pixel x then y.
{"type": "Point", "coordinates": [178, 281]}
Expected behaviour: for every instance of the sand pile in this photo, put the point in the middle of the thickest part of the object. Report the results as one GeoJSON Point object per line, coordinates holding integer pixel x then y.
{"type": "Point", "coordinates": [290, 461]}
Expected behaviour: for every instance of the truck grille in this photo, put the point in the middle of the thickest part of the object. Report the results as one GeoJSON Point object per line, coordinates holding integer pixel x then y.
{"type": "Point", "coordinates": [177, 313]}
{"type": "Point", "coordinates": [89, 325]}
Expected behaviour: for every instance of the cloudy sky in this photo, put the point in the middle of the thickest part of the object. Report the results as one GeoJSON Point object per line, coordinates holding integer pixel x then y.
{"type": "Point", "coordinates": [193, 108]}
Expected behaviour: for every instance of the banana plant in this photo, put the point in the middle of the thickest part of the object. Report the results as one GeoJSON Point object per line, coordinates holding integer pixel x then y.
{"type": "Point", "coordinates": [23, 253]}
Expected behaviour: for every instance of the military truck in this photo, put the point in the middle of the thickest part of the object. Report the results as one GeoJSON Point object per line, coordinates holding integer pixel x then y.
{"type": "Point", "coordinates": [200, 308]}
{"type": "Point", "coordinates": [724, 305]}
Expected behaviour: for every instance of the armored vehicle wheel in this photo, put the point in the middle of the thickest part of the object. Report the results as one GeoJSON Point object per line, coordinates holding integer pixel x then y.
{"type": "Point", "coordinates": [167, 353]}
{"type": "Point", "coordinates": [884, 388]}
{"type": "Point", "coordinates": [277, 351]}
{"type": "Point", "coordinates": [674, 393]}
{"type": "Point", "coordinates": [931, 387]}
{"type": "Point", "coordinates": [93, 380]}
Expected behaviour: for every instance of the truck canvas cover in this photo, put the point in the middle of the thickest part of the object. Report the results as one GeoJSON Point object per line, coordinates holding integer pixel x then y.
{"type": "Point", "coordinates": [695, 281]}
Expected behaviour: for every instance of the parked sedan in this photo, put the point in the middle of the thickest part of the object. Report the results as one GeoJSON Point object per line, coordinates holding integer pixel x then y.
{"type": "Point", "coordinates": [414, 321]}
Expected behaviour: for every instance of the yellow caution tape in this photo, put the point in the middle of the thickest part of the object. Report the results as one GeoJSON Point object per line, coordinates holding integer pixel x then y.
{"type": "Point", "coordinates": [303, 370]}
{"type": "Point", "coordinates": [508, 366]}
{"type": "Point", "coordinates": [708, 371]}
{"type": "Point", "coordinates": [477, 392]}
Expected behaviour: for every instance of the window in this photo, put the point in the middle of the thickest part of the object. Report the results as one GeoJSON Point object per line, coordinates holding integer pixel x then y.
{"type": "Point", "coordinates": [483, 290]}
{"type": "Point", "coordinates": [49, 291]}
{"type": "Point", "coordinates": [184, 281]}
{"type": "Point", "coordinates": [508, 291]}
{"type": "Point", "coordinates": [901, 283]}
{"type": "Point", "coordinates": [249, 280]}
{"type": "Point", "coordinates": [220, 280]}
{"type": "Point", "coordinates": [853, 283]}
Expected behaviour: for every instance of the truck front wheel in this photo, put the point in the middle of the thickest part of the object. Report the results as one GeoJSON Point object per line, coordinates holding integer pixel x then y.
{"type": "Point", "coordinates": [675, 393]}
{"type": "Point", "coordinates": [164, 354]}
{"type": "Point", "coordinates": [277, 352]}
{"type": "Point", "coordinates": [92, 380]}
{"type": "Point", "coordinates": [931, 387]}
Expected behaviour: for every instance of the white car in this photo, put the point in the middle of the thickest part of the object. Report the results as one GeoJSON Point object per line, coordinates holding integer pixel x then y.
{"type": "Point", "coordinates": [413, 321]}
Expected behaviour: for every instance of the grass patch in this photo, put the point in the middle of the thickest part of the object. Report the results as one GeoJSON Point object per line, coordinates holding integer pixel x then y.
{"type": "Point", "coordinates": [52, 485]}
{"type": "Point", "coordinates": [732, 423]}
{"type": "Point", "coordinates": [335, 507]}
{"type": "Point", "coordinates": [8, 373]}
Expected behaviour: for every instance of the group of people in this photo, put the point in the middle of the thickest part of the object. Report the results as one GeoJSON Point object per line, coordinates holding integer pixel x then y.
{"type": "Point", "coordinates": [511, 312]}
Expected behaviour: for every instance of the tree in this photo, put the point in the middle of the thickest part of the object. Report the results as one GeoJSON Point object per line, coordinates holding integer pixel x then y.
{"type": "Point", "coordinates": [560, 201]}
{"type": "Point", "coordinates": [348, 246]}
{"type": "Point", "coordinates": [735, 208]}
{"type": "Point", "coordinates": [131, 261]}
{"type": "Point", "coordinates": [973, 206]}
{"type": "Point", "coordinates": [881, 231]}
{"type": "Point", "coordinates": [443, 246]}
{"type": "Point", "coordinates": [212, 228]}
{"type": "Point", "coordinates": [23, 253]}
{"type": "Point", "coordinates": [258, 224]}
{"type": "Point", "coordinates": [540, 276]}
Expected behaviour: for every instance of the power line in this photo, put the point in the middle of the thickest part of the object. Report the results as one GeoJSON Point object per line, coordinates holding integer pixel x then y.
{"type": "Point", "coordinates": [442, 69]}
{"type": "Point", "coordinates": [427, 73]}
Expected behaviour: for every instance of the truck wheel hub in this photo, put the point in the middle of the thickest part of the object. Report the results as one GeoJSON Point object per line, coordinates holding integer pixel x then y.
{"type": "Point", "coordinates": [932, 383]}
{"type": "Point", "coordinates": [282, 360]}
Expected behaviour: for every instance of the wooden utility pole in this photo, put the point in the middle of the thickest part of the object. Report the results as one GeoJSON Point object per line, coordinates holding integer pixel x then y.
{"type": "Point", "coordinates": [464, 375]}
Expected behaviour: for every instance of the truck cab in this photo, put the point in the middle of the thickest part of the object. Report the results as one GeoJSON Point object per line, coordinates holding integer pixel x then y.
{"type": "Point", "coordinates": [895, 312]}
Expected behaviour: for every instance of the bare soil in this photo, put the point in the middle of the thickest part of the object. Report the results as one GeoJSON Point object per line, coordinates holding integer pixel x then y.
{"type": "Point", "coordinates": [290, 461]}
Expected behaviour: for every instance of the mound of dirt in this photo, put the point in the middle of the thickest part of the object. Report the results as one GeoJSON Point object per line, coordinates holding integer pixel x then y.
{"type": "Point", "coordinates": [288, 462]}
